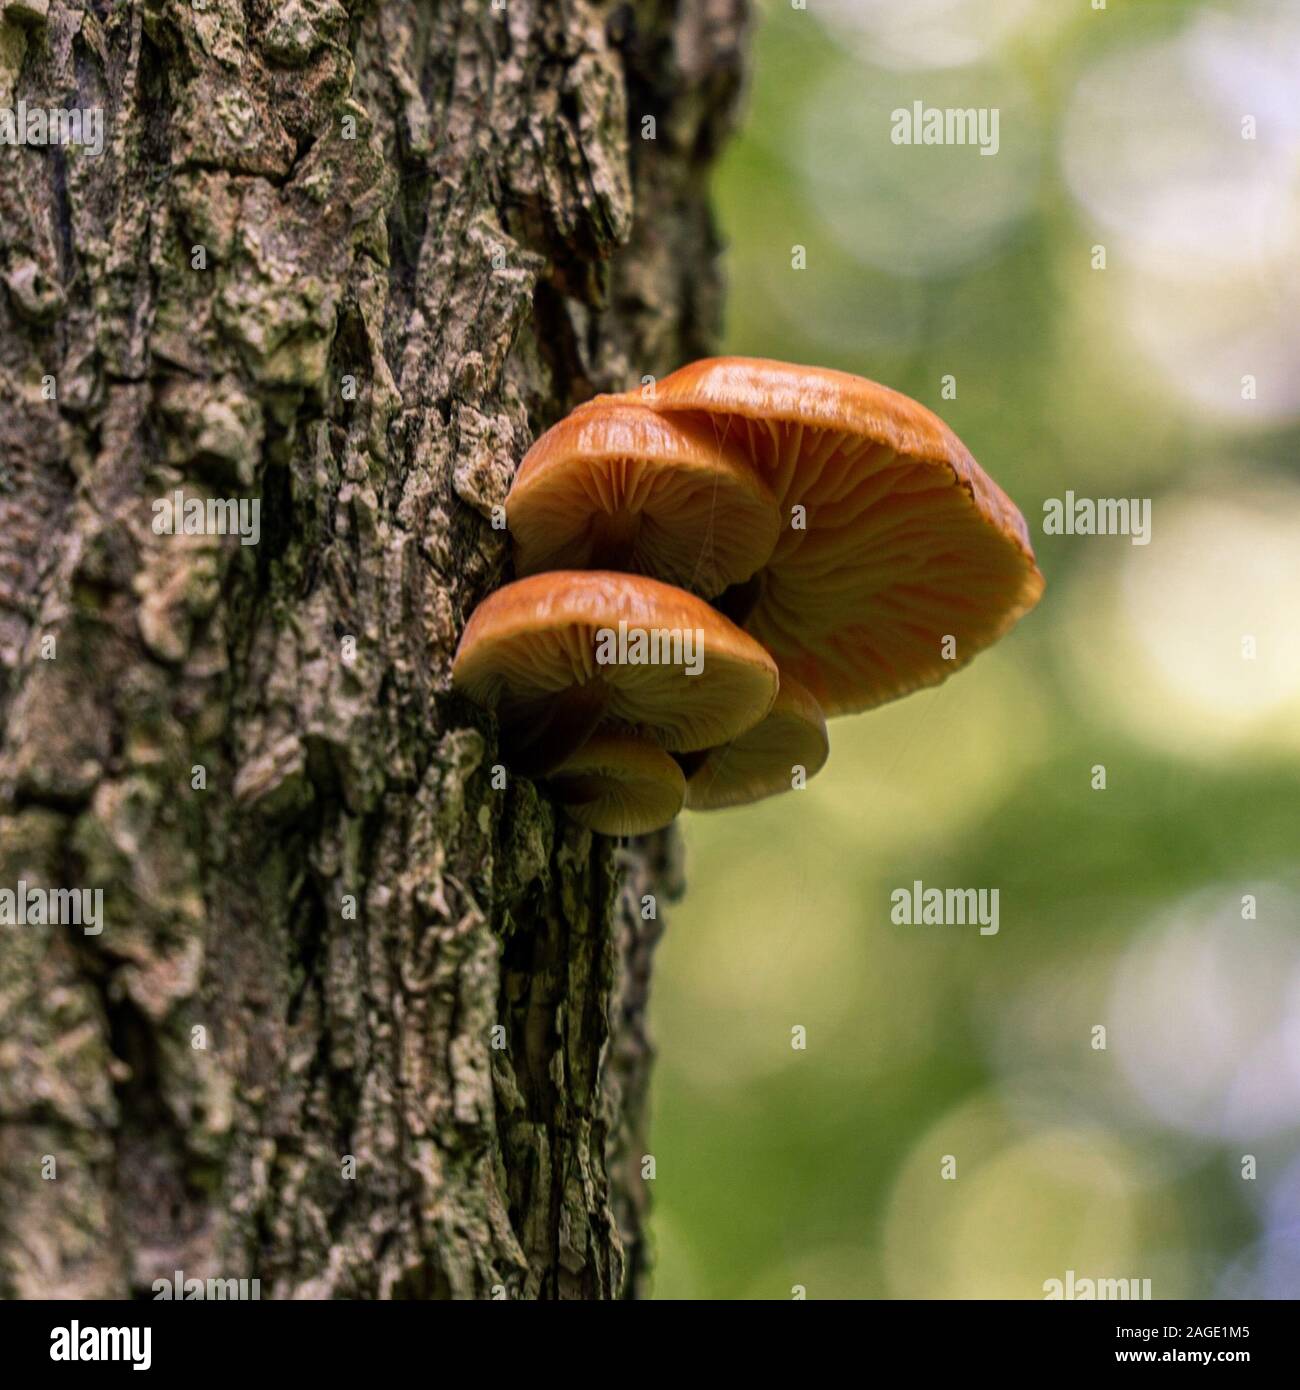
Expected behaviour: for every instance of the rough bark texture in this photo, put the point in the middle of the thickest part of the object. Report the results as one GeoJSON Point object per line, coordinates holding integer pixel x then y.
{"type": "Point", "coordinates": [201, 741]}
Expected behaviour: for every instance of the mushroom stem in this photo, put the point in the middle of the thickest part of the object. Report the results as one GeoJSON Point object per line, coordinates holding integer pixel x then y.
{"type": "Point", "coordinates": [538, 746]}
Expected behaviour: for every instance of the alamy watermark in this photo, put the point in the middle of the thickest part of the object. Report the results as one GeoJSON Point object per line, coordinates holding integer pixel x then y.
{"type": "Point", "coordinates": [178, 1288]}
{"type": "Point", "coordinates": [53, 125]}
{"type": "Point", "coordinates": [1072, 1287]}
{"type": "Point", "coordinates": [920, 906]}
{"type": "Point", "coordinates": [1098, 516]}
{"type": "Point", "coordinates": [25, 906]}
{"type": "Point", "coordinates": [651, 646]}
{"type": "Point", "coordinates": [179, 515]}
{"type": "Point", "coordinates": [951, 125]}
{"type": "Point", "coordinates": [75, 1342]}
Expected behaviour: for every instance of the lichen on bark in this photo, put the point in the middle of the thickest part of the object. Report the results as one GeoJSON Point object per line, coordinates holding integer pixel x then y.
{"type": "Point", "coordinates": [347, 261]}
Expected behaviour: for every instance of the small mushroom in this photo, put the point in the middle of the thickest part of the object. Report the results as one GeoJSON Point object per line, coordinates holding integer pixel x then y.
{"type": "Point", "coordinates": [616, 784]}
{"type": "Point", "coordinates": [560, 653]}
{"type": "Point", "coordinates": [761, 761]}
{"type": "Point", "coordinates": [616, 486]}
{"type": "Point", "coordinates": [899, 558]}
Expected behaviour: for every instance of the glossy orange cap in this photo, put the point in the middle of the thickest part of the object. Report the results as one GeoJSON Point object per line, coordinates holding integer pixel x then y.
{"type": "Point", "coordinates": [616, 486]}
{"type": "Point", "coordinates": [619, 785]}
{"type": "Point", "coordinates": [627, 646]}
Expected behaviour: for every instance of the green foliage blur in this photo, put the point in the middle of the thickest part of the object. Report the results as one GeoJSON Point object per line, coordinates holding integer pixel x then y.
{"type": "Point", "coordinates": [1163, 908]}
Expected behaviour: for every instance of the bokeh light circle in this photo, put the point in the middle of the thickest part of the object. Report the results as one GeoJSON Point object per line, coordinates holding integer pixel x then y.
{"type": "Point", "coordinates": [1202, 1011]}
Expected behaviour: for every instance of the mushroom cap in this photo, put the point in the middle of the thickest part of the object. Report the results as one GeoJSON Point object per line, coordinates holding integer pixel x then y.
{"type": "Point", "coordinates": [907, 539]}
{"type": "Point", "coordinates": [616, 784]}
{"type": "Point", "coordinates": [534, 642]}
{"type": "Point", "coordinates": [616, 486]}
{"type": "Point", "coordinates": [760, 762]}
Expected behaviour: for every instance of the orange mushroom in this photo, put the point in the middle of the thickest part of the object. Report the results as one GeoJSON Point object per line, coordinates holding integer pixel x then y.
{"type": "Point", "coordinates": [763, 760]}
{"type": "Point", "coordinates": [899, 558]}
{"type": "Point", "coordinates": [616, 486]}
{"type": "Point", "coordinates": [560, 653]}
{"type": "Point", "coordinates": [619, 785]}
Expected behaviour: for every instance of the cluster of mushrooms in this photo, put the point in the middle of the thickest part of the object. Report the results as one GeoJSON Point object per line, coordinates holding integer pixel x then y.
{"type": "Point", "coordinates": [832, 542]}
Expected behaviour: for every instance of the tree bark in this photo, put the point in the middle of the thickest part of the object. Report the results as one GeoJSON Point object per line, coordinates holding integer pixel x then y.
{"type": "Point", "coordinates": [347, 261]}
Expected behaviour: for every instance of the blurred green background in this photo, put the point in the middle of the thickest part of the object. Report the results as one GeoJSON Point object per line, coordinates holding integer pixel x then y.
{"type": "Point", "coordinates": [1120, 129]}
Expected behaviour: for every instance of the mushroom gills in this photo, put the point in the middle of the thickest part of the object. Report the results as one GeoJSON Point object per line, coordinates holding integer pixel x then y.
{"type": "Point", "coordinates": [760, 762]}
{"type": "Point", "coordinates": [619, 784]}
{"type": "Point", "coordinates": [904, 538]}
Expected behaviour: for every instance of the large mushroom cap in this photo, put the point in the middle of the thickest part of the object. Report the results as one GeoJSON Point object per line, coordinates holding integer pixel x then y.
{"type": "Point", "coordinates": [761, 761]}
{"type": "Point", "coordinates": [906, 540]}
{"type": "Point", "coordinates": [619, 785]}
{"type": "Point", "coordinates": [617, 486]}
{"type": "Point", "coordinates": [532, 651]}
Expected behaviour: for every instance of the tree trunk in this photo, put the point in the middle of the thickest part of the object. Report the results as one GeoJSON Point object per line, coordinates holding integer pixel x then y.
{"type": "Point", "coordinates": [358, 1023]}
